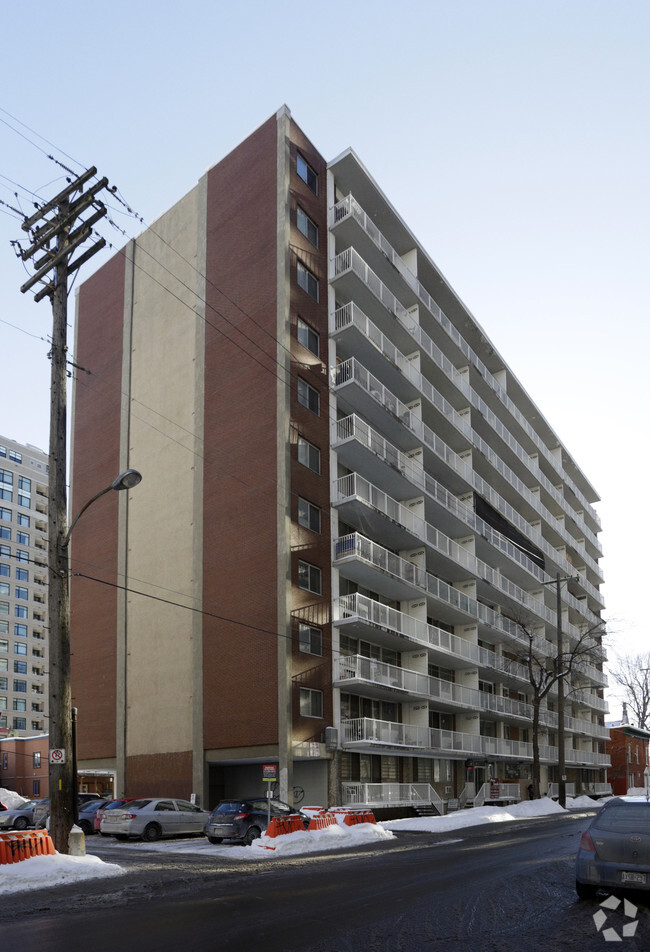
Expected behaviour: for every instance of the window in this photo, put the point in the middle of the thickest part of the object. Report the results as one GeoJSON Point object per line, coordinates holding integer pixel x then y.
{"type": "Point", "coordinates": [5, 514]}
{"type": "Point", "coordinates": [25, 483]}
{"type": "Point", "coordinates": [36, 784]}
{"type": "Point", "coordinates": [310, 578]}
{"type": "Point", "coordinates": [24, 500]}
{"type": "Point", "coordinates": [22, 520]}
{"type": "Point", "coordinates": [20, 723]}
{"type": "Point", "coordinates": [20, 648]}
{"type": "Point", "coordinates": [20, 704]}
{"type": "Point", "coordinates": [21, 592]}
{"type": "Point", "coordinates": [4, 588]}
{"type": "Point", "coordinates": [3, 451]}
{"type": "Point", "coordinates": [4, 664]}
{"type": "Point", "coordinates": [308, 455]}
{"type": "Point", "coordinates": [20, 611]}
{"type": "Point", "coordinates": [306, 173]}
{"type": "Point", "coordinates": [4, 761]}
{"type": "Point", "coordinates": [16, 457]}
{"type": "Point", "coordinates": [20, 630]}
{"type": "Point", "coordinates": [4, 570]}
{"type": "Point", "coordinates": [307, 226]}
{"type": "Point", "coordinates": [3, 684]}
{"type": "Point", "coordinates": [5, 533]}
{"type": "Point", "coordinates": [20, 687]}
{"type": "Point", "coordinates": [4, 608]}
{"type": "Point", "coordinates": [4, 645]}
{"type": "Point", "coordinates": [22, 575]}
{"type": "Point", "coordinates": [308, 337]}
{"type": "Point", "coordinates": [311, 639]}
{"type": "Point", "coordinates": [22, 538]}
{"type": "Point", "coordinates": [5, 551]}
{"type": "Point", "coordinates": [6, 477]}
{"type": "Point", "coordinates": [36, 759]}
{"type": "Point", "coordinates": [311, 703]}
{"type": "Point", "coordinates": [307, 281]}
{"type": "Point", "coordinates": [308, 396]}
{"type": "Point", "coordinates": [309, 515]}
{"type": "Point", "coordinates": [22, 556]}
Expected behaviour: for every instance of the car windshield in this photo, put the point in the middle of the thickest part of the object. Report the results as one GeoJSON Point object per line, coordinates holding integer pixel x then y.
{"type": "Point", "coordinates": [230, 807]}
{"type": "Point", "coordinates": [624, 818]}
{"type": "Point", "coordinates": [115, 804]}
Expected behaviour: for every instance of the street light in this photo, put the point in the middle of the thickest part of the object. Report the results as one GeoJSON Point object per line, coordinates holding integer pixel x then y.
{"type": "Point", "coordinates": [63, 782]}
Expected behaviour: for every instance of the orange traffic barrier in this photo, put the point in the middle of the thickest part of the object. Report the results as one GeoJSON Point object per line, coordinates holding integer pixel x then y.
{"type": "Point", "coordinates": [359, 816]}
{"type": "Point", "coordinates": [15, 847]}
{"type": "Point", "coordinates": [280, 825]}
{"type": "Point", "coordinates": [321, 821]}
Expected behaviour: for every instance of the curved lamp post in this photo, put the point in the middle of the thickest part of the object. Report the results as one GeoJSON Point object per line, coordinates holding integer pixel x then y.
{"type": "Point", "coordinates": [62, 769]}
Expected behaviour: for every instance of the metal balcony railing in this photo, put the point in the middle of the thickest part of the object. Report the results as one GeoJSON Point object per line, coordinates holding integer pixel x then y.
{"type": "Point", "coordinates": [420, 633]}
{"type": "Point", "coordinates": [353, 427]}
{"type": "Point", "coordinates": [350, 260]}
{"type": "Point", "coordinates": [349, 206]}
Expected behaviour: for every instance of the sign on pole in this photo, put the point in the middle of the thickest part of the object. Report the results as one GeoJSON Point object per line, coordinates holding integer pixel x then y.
{"type": "Point", "coordinates": [57, 755]}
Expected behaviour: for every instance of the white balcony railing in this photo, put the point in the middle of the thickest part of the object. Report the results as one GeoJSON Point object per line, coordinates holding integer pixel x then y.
{"type": "Point", "coordinates": [350, 260]}
{"type": "Point", "coordinates": [390, 794]}
{"type": "Point", "coordinates": [349, 206]}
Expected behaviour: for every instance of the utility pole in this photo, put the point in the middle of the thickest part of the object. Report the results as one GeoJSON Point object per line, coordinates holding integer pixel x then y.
{"type": "Point", "coordinates": [56, 230]}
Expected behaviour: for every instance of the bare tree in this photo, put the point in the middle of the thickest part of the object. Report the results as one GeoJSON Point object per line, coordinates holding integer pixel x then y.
{"type": "Point", "coordinates": [545, 671]}
{"type": "Point", "coordinates": [632, 674]}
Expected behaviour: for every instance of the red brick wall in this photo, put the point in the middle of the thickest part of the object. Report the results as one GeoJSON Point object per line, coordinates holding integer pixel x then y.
{"type": "Point", "coordinates": [94, 541]}
{"type": "Point", "coordinates": [240, 486]}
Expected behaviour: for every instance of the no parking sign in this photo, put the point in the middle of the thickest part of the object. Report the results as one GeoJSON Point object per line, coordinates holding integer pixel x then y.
{"type": "Point", "coordinates": [57, 755]}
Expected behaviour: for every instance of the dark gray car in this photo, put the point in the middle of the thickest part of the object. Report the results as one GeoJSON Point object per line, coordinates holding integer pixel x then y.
{"type": "Point", "coordinates": [245, 819]}
{"type": "Point", "coordinates": [614, 851]}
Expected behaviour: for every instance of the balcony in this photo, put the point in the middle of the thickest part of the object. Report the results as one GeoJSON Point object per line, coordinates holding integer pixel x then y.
{"type": "Point", "coordinates": [349, 208]}
{"type": "Point", "coordinates": [388, 626]}
{"type": "Point", "coordinates": [372, 566]}
{"type": "Point", "coordinates": [367, 733]}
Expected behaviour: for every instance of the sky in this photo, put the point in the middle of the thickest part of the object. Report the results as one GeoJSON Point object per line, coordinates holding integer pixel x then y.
{"type": "Point", "coordinates": [59, 869]}
{"type": "Point", "coordinates": [511, 136]}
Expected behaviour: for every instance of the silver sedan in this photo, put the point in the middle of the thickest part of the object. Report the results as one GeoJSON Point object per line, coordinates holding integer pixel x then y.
{"type": "Point", "coordinates": [151, 819]}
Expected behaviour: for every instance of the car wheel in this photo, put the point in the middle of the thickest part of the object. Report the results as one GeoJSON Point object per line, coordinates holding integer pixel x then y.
{"type": "Point", "coordinates": [20, 824]}
{"type": "Point", "coordinates": [215, 839]}
{"type": "Point", "coordinates": [585, 890]}
{"type": "Point", "coordinates": [152, 832]}
{"type": "Point", "coordinates": [252, 833]}
{"type": "Point", "coordinates": [85, 827]}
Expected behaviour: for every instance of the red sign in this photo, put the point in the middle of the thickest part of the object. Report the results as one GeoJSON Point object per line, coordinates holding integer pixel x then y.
{"type": "Point", "coordinates": [494, 789]}
{"type": "Point", "coordinates": [269, 772]}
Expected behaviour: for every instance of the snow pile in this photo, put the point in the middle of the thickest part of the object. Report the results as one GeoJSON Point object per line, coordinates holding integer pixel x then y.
{"type": "Point", "coordinates": [479, 815]}
{"type": "Point", "coordinates": [330, 838]}
{"type": "Point", "coordinates": [11, 800]}
{"type": "Point", "coordinates": [41, 871]}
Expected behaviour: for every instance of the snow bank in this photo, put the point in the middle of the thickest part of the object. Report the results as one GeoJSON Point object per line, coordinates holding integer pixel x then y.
{"type": "Point", "coordinates": [330, 838]}
{"type": "Point", "coordinates": [41, 871]}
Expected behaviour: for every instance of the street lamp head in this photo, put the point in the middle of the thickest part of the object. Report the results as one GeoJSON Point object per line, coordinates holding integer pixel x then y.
{"type": "Point", "coordinates": [127, 480]}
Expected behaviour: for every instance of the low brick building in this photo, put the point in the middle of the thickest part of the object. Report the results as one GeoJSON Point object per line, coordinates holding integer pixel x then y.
{"type": "Point", "coordinates": [628, 749]}
{"type": "Point", "coordinates": [24, 766]}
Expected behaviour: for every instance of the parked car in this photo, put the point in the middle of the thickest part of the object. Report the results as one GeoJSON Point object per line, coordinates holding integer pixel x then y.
{"type": "Point", "coordinates": [614, 851]}
{"type": "Point", "coordinates": [19, 818]}
{"type": "Point", "coordinates": [110, 805]}
{"type": "Point", "coordinates": [245, 819]}
{"type": "Point", "coordinates": [86, 815]}
{"type": "Point", "coordinates": [42, 811]}
{"type": "Point", "coordinates": [153, 818]}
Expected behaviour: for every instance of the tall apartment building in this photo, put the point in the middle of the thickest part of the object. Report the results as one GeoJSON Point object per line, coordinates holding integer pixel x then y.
{"type": "Point", "coordinates": [349, 504]}
{"type": "Point", "coordinates": [23, 589]}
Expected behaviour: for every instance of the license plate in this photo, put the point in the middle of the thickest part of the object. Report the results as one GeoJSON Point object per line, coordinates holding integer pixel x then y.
{"type": "Point", "coordinates": [639, 878]}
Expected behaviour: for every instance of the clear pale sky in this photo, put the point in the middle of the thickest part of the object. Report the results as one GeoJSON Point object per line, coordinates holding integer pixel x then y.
{"type": "Point", "coordinates": [512, 136]}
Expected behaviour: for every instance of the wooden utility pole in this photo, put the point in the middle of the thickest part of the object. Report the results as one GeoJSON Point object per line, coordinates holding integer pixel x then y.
{"type": "Point", "coordinates": [56, 230]}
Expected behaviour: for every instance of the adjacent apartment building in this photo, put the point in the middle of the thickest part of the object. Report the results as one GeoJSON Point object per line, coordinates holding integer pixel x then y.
{"type": "Point", "coordinates": [349, 505]}
{"type": "Point", "coordinates": [23, 589]}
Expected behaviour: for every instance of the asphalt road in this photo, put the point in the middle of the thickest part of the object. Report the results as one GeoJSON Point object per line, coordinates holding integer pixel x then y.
{"type": "Point", "coordinates": [496, 888]}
